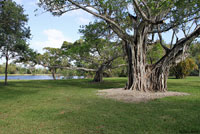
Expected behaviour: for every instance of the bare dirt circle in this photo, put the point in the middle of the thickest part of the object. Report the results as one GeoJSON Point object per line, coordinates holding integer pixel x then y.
{"type": "Point", "coordinates": [135, 96]}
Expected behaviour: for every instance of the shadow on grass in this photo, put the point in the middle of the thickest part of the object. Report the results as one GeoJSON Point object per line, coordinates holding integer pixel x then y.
{"type": "Point", "coordinates": [15, 89]}
{"type": "Point", "coordinates": [106, 84]}
{"type": "Point", "coordinates": [12, 92]}
{"type": "Point", "coordinates": [83, 83]}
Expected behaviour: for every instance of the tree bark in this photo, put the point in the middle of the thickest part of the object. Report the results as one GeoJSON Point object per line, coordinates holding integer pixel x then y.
{"type": "Point", "coordinates": [99, 73]}
{"type": "Point", "coordinates": [6, 70]}
{"type": "Point", "coordinates": [53, 72]}
{"type": "Point", "coordinates": [142, 77]}
{"type": "Point", "coordinates": [98, 76]}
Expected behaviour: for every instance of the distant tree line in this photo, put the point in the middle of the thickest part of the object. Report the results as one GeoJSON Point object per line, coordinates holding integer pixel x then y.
{"type": "Point", "coordinates": [19, 69]}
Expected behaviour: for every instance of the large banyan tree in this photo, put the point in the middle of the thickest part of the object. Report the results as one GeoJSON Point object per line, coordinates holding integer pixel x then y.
{"type": "Point", "coordinates": [139, 23]}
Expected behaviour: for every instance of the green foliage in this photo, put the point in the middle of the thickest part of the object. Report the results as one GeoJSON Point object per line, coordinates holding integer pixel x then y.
{"type": "Point", "coordinates": [13, 29]}
{"type": "Point", "coordinates": [53, 59]}
{"type": "Point", "coordinates": [178, 11]}
{"type": "Point", "coordinates": [195, 52]}
{"type": "Point", "coordinates": [19, 69]}
{"type": "Point", "coordinates": [13, 69]}
{"type": "Point", "coordinates": [183, 69]}
{"type": "Point", "coordinates": [13, 32]}
{"type": "Point", "coordinates": [154, 53]}
{"type": "Point", "coordinates": [95, 49]}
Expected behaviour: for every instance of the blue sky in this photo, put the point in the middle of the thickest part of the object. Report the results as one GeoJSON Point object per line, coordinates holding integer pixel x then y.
{"type": "Point", "coordinates": [51, 31]}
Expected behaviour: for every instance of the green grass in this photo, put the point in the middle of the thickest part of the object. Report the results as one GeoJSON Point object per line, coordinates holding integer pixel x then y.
{"type": "Point", "coordinates": [71, 107]}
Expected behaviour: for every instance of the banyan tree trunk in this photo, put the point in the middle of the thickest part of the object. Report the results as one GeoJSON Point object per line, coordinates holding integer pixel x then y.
{"type": "Point", "coordinates": [142, 77]}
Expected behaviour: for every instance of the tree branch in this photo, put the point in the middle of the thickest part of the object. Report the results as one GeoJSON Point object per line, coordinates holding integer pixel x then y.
{"type": "Point", "coordinates": [118, 66]}
{"type": "Point", "coordinates": [173, 26]}
{"type": "Point", "coordinates": [172, 39]}
{"type": "Point", "coordinates": [144, 16]}
{"type": "Point", "coordinates": [146, 6]}
{"type": "Point", "coordinates": [178, 47]}
{"type": "Point", "coordinates": [161, 42]}
{"type": "Point", "coordinates": [72, 68]}
{"type": "Point", "coordinates": [102, 17]}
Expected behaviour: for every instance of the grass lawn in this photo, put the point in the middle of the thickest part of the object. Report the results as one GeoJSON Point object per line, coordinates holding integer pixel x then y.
{"type": "Point", "coordinates": [72, 107]}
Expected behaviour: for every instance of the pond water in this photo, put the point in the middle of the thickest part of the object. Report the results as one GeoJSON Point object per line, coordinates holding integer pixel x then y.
{"type": "Point", "coordinates": [38, 77]}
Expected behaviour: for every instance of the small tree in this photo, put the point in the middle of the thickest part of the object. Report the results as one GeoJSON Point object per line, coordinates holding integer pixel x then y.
{"type": "Point", "coordinates": [13, 32]}
{"type": "Point", "coordinates": [183, 69]}
{"type": "Point", "coordinates": [52, 59]}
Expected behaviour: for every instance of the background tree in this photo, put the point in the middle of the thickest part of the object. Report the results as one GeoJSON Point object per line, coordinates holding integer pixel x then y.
{"type": "Point", "coordinates": [52, 59]}
{"type": "Point", "coordinates": [13, 32]}
{"type": "Point", "coordinates": [195, 53]}
{"type": "Point", "coordinates": [137, 22]}
{"type": "Point", "coordinates": [183, 69]}
{"type": "Point", "coordinates": [96, 50]}
{"type": "Point", "coordinates": [93, 56]}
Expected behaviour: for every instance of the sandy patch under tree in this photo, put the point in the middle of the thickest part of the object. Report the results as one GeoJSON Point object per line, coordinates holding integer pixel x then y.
{"type": "Point", "coordinates": [135, 96]}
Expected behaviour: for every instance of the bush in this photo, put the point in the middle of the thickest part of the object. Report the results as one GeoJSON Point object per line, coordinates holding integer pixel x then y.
{"type": "Point", "coordinates": [183, 69]}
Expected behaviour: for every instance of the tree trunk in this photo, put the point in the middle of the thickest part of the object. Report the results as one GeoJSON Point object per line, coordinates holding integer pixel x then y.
{"type": "Point", "coordinates": [6, 70]}
{"type": "Point", "coordinates": [53, 72]}
{"type": "Point", "coordinates": [98, 76]}
{"type": "Point", "coordinates": [157, 81]}
{"type": "Point", "coordinates": [141, 76]}
{"type": "Point", "coordinates": [99, 73]}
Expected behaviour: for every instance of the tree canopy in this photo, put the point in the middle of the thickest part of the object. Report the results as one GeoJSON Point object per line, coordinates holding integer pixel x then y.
{"type": "Point", "coordinates": [14, 32]}
{"type": "Point", "coordinates": [139, 23]}
{"type": "Point", "coordinates": [53, 59]}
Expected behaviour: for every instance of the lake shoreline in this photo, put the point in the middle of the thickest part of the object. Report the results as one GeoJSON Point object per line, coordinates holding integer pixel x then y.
{"type": "Point", "coordinates": [27, 74]}
{"type": "Point", "coordinates": [39, 77]}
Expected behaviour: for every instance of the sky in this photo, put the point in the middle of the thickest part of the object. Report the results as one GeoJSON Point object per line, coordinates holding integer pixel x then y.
{"type": "Point", "coordinates": [51, 31]}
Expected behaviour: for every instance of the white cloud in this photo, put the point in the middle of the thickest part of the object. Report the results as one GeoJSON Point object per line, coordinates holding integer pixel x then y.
{"type": "Point", "coordinates": [55, 39]}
